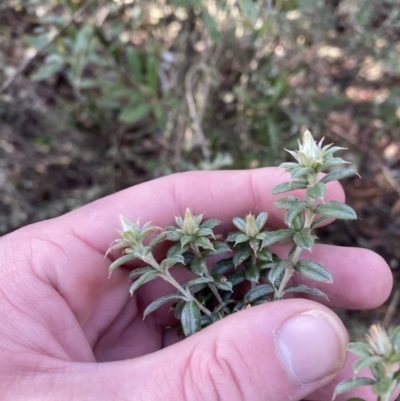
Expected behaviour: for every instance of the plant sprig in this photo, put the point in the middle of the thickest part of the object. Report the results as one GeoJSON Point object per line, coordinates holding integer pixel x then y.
{"type": "Point", "coordinates": [381, 354]}
{"type": "Point", "coordinates": [242, 271]}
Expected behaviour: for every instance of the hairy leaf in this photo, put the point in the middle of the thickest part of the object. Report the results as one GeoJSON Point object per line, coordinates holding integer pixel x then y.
{"type": "Point", "coordinates": [142, 270]}
{"type": "Point", "coordinates": [198, 266]}
{"type": "Point", "coordinates": [276, 273]}
{"type": "Point", "coordinates": [120, 261]}
{"type": "Point", "coordinates": [288, 202]}
{"type": "Point", "coordinates": [275, 236]}
{"type": "Point", "coordinates": [307, 290]}
{"type": "Point", "coordinates": [258, 292]}
{"type": "Point", "coordinates": [142, 280]}
{"type": "Point", "coordinates": [239, 223]}
{"type": "Point", "coordinates": [336, 209]}
{"type": "Point", "coordinates": [338, 175]}
{"type": "Point", "coordinates": [210, 223]}
{"type": "Point", "coordinates": [241, 255]}
{"type": "Point", "coordinates": [313, 270]}
{"type": "Point", "coordinates": [161, 301]}
{"type": "Point", "coordinates": [359, 349]}
{"type": "Point", "coordinates": [382, 387]}
{"type": "Point", "coordinates": [261, 220]}
{"type": "Point", "coordinates": [366, 363]}
{"type": "Point", "coordinates": [288, 186]}
{"type": "Point", "coordinates": [316, 191]}
{"type": "Point", "coordinates": [223, 285]}
{"type": "Point", "coordinates": [169, 262]}
{"type": "Point", "coordinates": [191, 318]}
{"type": "Point", "coordinates": [253, 274]}
{"type": "Point", "coordinates": [222, 266]}
{"type": "Point", "coordinates": [304, 239]}
{"type": "Point", "coordinates": [352, 384]}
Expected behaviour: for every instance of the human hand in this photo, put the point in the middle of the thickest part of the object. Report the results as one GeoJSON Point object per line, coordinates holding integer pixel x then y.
{"type": "Point", "coordinates": [60, 315]}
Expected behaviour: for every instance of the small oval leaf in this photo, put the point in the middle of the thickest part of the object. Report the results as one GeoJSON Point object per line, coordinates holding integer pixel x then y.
{"type": "Point", "coordinates": [191, 318]}
{"type": "Point", "coordinates": [313, 270]}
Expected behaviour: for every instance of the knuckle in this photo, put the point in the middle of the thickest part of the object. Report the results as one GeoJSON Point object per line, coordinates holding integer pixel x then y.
{"type": "Point", "coordinates": [218, 372]}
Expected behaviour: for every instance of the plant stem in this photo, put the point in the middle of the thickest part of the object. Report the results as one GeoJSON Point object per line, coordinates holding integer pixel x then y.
{"type": "Point", "coordinates": [308, 220]}
{"type": "Point", "coordinates": [167, 276]}
{"type": "Point", "coordinates": [186, 293]}
{"type": "Point", "coordinates": [253, 263]}
{"type": "Point", "coordinates": [289, 270]}
{"type": "Point", "coordinates": [211, 286]}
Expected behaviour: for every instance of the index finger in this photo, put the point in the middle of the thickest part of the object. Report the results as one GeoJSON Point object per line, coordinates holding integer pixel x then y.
{"type": "Point", "coordinates": [218, 194]}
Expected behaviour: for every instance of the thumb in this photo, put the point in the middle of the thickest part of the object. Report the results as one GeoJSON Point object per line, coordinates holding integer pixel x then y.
{"type": "Point", "coordinates": [279, 351]}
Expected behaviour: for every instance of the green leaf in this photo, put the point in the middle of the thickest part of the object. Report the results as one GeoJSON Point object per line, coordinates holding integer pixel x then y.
{"type": "Point", "coordinates": [289, 166]}
{"type": "Point", "coordinates": [239, 223]}
{"type": "Point", "coordinates": [276, 273]}
{"type": "Point", "coordinates": [138, 272]}
{"type": "Point", "coordinates": [288, 202]}
{"type": "Point", "coordinates": [134, 63]}
{"type": "Point", "coordinates": [210, 25]}
{"type": "Point", "coordinates": [237, 277]}
{"type": "Point", "coordinates": [336, 209]}
{"type": "Point", "coordinates": [338, 175]}
{"type": "Point", "coordinates": [382, 387]}
{"type": "Point", "coordinates": [249, 10]}
{"type": "Point", "coordinates": [257, 292]}
{"type": "Point", "coordinates": [307, 290]}
{"type": "Point", "coordinates": [142, 280]}
{"type": "Point", "coordinates": [318, 221]}
{"type": "Point", "coordinates": [240, 256]}
{"type": "Point", "coordinates": [158, 238]}
{"type": "Point", "coordinates": [331, 163]}
{"type": "Point", "coordinates": [46, 71]}
{"type": "Point", "coordinates": [301, 171]}
{"type": "Point", "coordinates": [261, 220]}
{"type": "Point", "coordinates": [264, 255]}
{"type": "Point", "coordinates": [222, 266]}
{"type": "Point", "coordinates": [133, 113]}
{"type": "Point", "coordinates": [120, 261]}
{"type": "Point", "coordinates": [288, 186]}
{"type": "Point", "coordinates": [223, 285]}
{"type": "Point", "coordinates": [253, 274]}
{"type": "Point", "coordinates": [191, 318]}
{"type": "Point", "coordinates": [352, 384]}
{"type": "Point", "coordinates": [161, 301]}
{"type": "Point", "coordinates": [359, 349]}
{"type": "Point", "coordinates": [275, 236]}
{"type": "Point", "coordinates": [232, 236]}
{"type": "Point", "coordinates": [174, 251]}
{"type": "Point", "coordinates": [204, 243]}
{"type": "Point", "coordinates": [198, 266]}
{"type": "Point", "coordinates": [366, 363]}
{"type": "Point", "coordinates": [205, 232]}
{"type": "Point", "coordinates": [186, 239]}
{"type": "Point", "coordinates": [241, 238]}
{"type": "Point", "coordinates": [199, 280]}
{"type": "Point", "coordinates": [210, 223]}
{"type": "Point", "coordinates": [169, 262]}
{"type": "Point", "coordinates": [316, 191]}
{"type": "Point", "coordinates": [304, 239]}
{"type": "Point", "coordinates": [313, 270]}
{"type": "Point", "coordinates": [292, 213]}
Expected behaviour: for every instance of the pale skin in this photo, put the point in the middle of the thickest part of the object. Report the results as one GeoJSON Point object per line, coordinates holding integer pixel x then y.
{"type": "Point", "coordinates": [60, 315]}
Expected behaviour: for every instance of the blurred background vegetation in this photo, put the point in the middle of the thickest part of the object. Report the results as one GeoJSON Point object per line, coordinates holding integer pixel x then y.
{"type": "Point", "coordinates": [99, 95]}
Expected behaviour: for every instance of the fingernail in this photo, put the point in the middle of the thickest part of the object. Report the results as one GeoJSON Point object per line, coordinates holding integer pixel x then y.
{"type": "Point", "coordinates": [311, 346]}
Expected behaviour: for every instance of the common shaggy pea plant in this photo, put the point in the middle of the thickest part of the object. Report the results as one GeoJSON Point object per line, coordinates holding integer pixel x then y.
{"type": "Point", "coordinates": [241, 271]}
{"type": "Point", "coordinates": [381, 354]}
